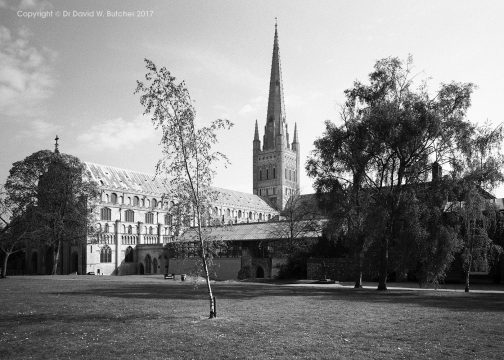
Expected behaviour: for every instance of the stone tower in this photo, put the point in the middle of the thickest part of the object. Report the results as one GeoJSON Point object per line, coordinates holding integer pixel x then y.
{"type": "Point", "coordinates": [276, 164]}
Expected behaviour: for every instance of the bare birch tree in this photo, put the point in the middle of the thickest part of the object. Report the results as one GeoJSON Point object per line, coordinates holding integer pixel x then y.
{"type": "Point", "coordinates": [188, 160]}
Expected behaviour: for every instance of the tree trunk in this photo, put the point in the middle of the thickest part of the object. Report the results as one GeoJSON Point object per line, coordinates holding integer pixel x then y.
{"type": "Point", "coordinates": [467, 272]}
{"type": "Point", "coordinates": [358, 280]}
{"type": "Point", "coordinates": [382, 278]}
{"type": "Point", "coordinates": [56, 259]}
{"type": "Point", "coordinates": [207, 273]}
{"type": "Point", "coordinates": [4, 268]}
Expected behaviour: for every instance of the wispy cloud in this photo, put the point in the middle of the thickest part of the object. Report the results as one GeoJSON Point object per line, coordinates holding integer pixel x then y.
{"type": "Point", "coordinates": [26, 5]}
{"type": "Point", "coordinates": [39, 129]}
{"type": "Point", "coordinates": [26, 75]}
{"type": "Point", "coordinates": [115, 134]}
{"type": "Point", "coordinates": [253, 106]}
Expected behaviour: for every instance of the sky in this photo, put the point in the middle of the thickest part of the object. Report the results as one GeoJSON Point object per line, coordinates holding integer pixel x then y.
{"type": "Point", "coordinates": [73, 74]}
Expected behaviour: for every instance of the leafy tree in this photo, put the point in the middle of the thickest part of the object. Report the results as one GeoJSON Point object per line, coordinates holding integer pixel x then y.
{"type": "Point", "coordinates": [53, 189]}
{"type": "Point", "coordinates": [188, 160]}
{"type": "Point", "coordinates": [405, 129]}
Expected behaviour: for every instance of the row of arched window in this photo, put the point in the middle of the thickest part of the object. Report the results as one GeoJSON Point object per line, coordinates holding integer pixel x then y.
{"type": "Point", "coordinates": [238, 214]}
{"type": "Point", "coordinates": [151, 230]}
{"type": "Point", "coordinates": [290, 174]}
{"type": "Point", "coordinates": [267, 174]}
{"type": "Point", "coordinates": [113, 198]}
{"type": "Point", "coordinates": [106, 254]}
{"type": "Point", "coordinates": [129, 216]}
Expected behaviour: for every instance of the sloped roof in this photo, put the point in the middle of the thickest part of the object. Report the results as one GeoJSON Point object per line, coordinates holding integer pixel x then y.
{"type": "Point", "coordinates": [111, 177]}
{"type": "Point", "coordinates": [125, 180]}
{"type": "Point", "coordinates": [241, 200]}
{"type": "Point", "coordinates": [254, 231]}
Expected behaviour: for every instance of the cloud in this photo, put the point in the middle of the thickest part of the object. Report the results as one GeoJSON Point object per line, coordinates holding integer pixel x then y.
{"type": "Point", "coordinates": [26, 5]}
{"type": "Point", "coordinates": [253, 106]}
{"type": "Point", "coordinates": [117, 134]}
{"type": "Point", "coordinates": [39, 129]}
{"type": "Point", "coordinates": [26, 75]}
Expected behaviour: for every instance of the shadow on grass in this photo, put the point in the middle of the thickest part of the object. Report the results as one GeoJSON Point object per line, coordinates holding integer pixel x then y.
{"type": "Point", "coordinates": [448, 300]}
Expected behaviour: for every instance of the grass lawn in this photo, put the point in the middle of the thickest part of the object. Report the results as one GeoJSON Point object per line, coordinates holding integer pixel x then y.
{"type": "Point", "coordinates": [133, 317]}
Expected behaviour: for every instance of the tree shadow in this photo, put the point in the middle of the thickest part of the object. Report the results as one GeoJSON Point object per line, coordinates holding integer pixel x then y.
{"type": "Point", "coordinates": [457, 301]}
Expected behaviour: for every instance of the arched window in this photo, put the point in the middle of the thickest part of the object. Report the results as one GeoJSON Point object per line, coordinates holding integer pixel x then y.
{"type": "Point", "coordinates": [113, 198]}
{"type": "Point", "coordinates": [98, 227]}
{"type": "Point", "coordinates": [228, 212]}
{"type": "Point", "coordinates": [269, 217]}
{"type": "Point", "coordinates": [260, 216]}
{"type": "Point", "coordinates": [129, 200]}
{"type": "Point", "coordinates": [136, 201]}
{"type": "Point", "coordinates": [124, 229]}
{"type": "Point", "coordinates": [150, 230]}
{"type": "Point", "coordinates": [106, 230]}
{"type": "Point", "coordinates": [286, 174]}
{"type": "Point", "coordinates": [168, 219]}
{"type": "Point", "coordinates": [143, 202]}
{"type": "Point", "coordinates": [130, 230]}
{"type": "Point", "coordinates": [121, 199]}
{"type": "Point", "coordinates": [260, 174]}
{"type": "Point", "coordinates": [294, 175]}
{"type": "Point", "coordinates": [106, 214]}
{"type": "Point", "coordinates": [147, 203]}
{"type": "Point", "coordinates": [149, 218]}
{"type": "Point", "coordinates": [267, 174]}
{"type": "Point", "coordinates": [239, 214]}
{"type": "Point", "coordinates": [154, 203]}
{"type": "Point", "coordinates": [129, 216]}
{"type": "Point", "coordinates": [107, 197]}
{"type": "Point", "coordinates": [250, 215]}
{"type": "Point", "coordinates": [128, 255]}
{"type": "Point", "coordinates": [106, 254]}
{"type": "Point", "coordinates": [274, 173]}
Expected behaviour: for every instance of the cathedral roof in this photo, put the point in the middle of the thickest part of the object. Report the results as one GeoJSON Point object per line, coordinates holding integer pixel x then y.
{"type": "Point", "coordinates": [114, 178]}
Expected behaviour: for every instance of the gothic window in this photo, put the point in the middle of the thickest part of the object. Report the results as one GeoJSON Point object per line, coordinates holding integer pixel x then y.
{"type": "Point", "coordinates": [149, 218]}
{"type": "Point", "coordinates": [106, 214]}
{"type": "Point", "coordinates": [260, 216]}
{"type": "Point", "coordinates": [98, 227]}
{"type": "Point", "coordinates": [148, 264]}
{"type": "Point", "coordinates": [136, 201]}
{"type": "Point", "coordinates": [113, 198]}
{"type": "Point", "coordinates": [143, 202]}
{"type": "Point", "coordinates": [124, 229]}
{"type": "Point", "coordinates": [154, 203]}
{"type": "Point", "coordinates": [106, 228]}
{"type": "Point", "coordinates": [106, 254]}
{"type": "Point", "coordinates": [129, 216]}
{"type": "Point", "coordinates": [130, 230]}
{"type": "Point", "coordinates": [239, 214]}
{"type": "Point", "coordinates": [128, 254]}
{"type": "Point", "coordinates": [260, 174]}
{"type": "Point", "coordinates": [286, 174]}
{"type": "Point", "coordinates": [150, 230]}
{"type": "Point", "coordinates": [168, 219]}
{"type": "Point", "coordinates": [267, 174]}
{"type": "Point", "coordinates": [148, 203]}
{"type": "Point", "coordinates": [106, 197]}
{"type": "Point", "coordinates": [228, 212]}
{"type": "Point", "coordinates": [121, 199]}
{"type": "Point", "coordinates": [294, 175]}
{"type": "Point", "coordinates": [269, 217]}
{"type": "Point", "coordinates": [250, 215]}
{"type": "Point", "coordinates": [129, 200]}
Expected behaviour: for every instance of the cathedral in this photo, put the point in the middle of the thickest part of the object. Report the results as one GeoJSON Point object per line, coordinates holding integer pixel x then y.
{"type": "Point", "coordinates": [135, 221]}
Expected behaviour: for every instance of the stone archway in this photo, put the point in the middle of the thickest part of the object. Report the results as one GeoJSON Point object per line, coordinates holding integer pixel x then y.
{"type": "Point", "coordinates": [148, 264]}
{"type": "Point", "coordinates": [154, 266]}
{"type": "Point", "coordinates": [259, 272]}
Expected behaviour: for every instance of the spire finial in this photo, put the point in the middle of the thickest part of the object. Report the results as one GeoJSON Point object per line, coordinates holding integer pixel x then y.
{"type": "Point", "coordinates": [56, 151]}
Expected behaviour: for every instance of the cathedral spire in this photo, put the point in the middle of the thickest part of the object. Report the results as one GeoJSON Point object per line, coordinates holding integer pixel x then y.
{"type": "Point", "coordinates": [256, 134]}
{"type": "Point", "coordinates": [275, 118]}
